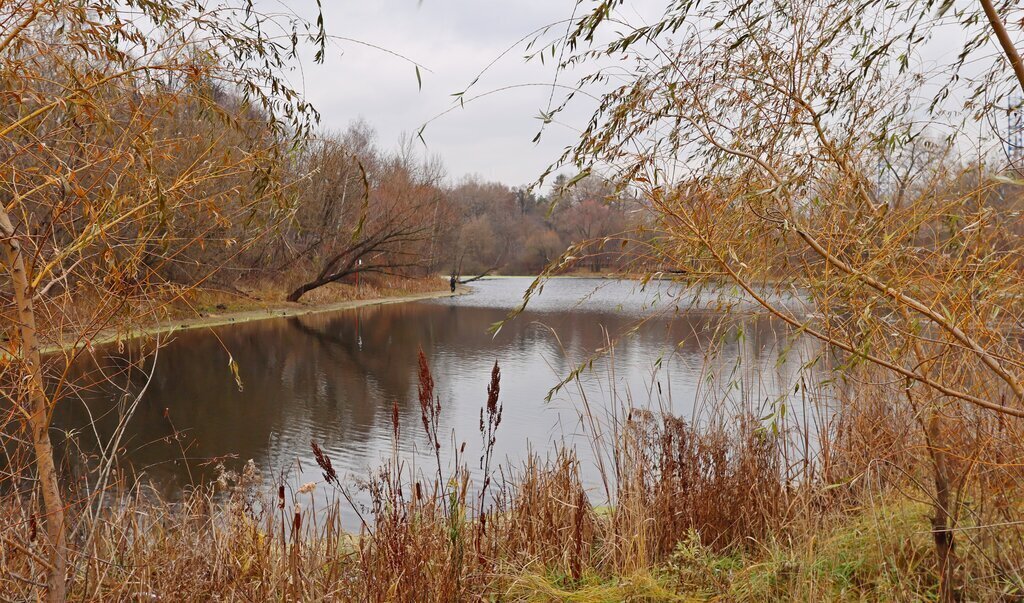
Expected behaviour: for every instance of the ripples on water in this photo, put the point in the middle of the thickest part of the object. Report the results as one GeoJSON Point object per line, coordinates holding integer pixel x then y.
{"type": "Point", "coordinates": [333, 378]}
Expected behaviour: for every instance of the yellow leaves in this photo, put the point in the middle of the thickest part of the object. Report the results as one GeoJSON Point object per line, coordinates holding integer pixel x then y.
{"type": "Point", "coordinates": [233, 367]}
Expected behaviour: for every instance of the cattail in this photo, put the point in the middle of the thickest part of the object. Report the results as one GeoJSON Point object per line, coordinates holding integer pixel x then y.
{"type": "Point", "coordinates": [430, 410]}
{"type": "Point", "coordinates": [394, 419]}
{"type": "Point", "coordinates": [426, 393]}
{"type": "Point", "coordinates": [488, 430]}
{"type": "Point", "coordinates": [493, 410]}
{"type": "Point", "coordinates": [325, 463]}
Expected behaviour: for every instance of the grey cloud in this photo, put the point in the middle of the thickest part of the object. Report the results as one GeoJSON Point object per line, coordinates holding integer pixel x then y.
{"type": "Point", "coordinates": [455, 40]}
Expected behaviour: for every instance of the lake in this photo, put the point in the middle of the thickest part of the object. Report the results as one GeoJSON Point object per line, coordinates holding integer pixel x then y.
{"type": "Point", "coordinates": [334, 377]}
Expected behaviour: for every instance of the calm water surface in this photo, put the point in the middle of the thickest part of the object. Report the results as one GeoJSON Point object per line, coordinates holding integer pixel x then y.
{"type": "Point", "coordinates": [333, 378]}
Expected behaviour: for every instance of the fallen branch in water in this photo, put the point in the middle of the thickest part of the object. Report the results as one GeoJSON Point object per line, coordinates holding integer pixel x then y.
{"type": "Point", "coordinates": [465, 281]}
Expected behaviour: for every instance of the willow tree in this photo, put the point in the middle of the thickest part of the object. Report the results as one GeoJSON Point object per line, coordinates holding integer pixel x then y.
{"type": "Point", "coordinates": [767, 139]}
{"type": "Point", "coordinates": [117, 154]}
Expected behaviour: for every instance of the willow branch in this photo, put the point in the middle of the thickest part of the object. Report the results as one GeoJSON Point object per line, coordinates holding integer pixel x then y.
{"type": "Point", "coordinates": [1004, 40]}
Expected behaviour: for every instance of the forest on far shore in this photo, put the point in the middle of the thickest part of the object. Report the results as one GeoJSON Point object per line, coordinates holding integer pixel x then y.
{"type": "Point", "coordinates": [359, 207]}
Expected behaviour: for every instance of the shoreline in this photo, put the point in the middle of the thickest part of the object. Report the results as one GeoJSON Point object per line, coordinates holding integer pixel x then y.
{"type": "Point", "coordinates": [280, 310]}
{"type": "Point", "coordinates": [284, 309]}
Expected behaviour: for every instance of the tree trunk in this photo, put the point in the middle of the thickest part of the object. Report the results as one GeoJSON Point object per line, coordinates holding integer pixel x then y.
{"type": "Point", "coordinates": [483, 274]}
{"type": "Point", "coordinates": [37, 415]}
{"type": "Point", "coordinates": [320, 282]}
{"type": "Point", "coordinates": [942, 531]}
{"type": "Point", "coordinates": [942, 528]}
{"type": "Point", "coordinates": [299, 292]}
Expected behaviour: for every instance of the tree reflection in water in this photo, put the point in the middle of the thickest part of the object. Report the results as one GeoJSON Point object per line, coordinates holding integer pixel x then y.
{"type": "Point", "coordinates": [334, 378]}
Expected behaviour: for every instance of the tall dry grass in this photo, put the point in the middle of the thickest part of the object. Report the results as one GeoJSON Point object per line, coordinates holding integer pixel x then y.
{"type": "Point", "coordinates": [741, 507]}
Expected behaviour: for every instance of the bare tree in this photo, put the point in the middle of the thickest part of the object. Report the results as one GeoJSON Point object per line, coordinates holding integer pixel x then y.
{"type": "Point", "coordinates": [385, 233]}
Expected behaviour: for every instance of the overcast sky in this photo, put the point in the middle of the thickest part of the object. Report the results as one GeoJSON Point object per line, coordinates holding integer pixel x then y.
{"type": "Point", "coordinates": [454, 40]}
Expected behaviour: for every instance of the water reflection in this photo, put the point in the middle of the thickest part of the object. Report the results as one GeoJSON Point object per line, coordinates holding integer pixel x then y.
{"type": "Point", "coordinates": [334, 377]}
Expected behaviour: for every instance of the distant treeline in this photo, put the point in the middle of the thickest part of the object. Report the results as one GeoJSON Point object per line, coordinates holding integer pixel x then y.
{"type": "Point", "coordinates": [359, 208]}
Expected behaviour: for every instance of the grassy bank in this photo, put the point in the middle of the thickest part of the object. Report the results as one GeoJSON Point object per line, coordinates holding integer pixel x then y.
{"type": "Point", "coordinates": [209, 308]}
{"type": "Point", "coordinates": [207, 549]}
{"type": "Point", "coordinates": [206, 307]}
